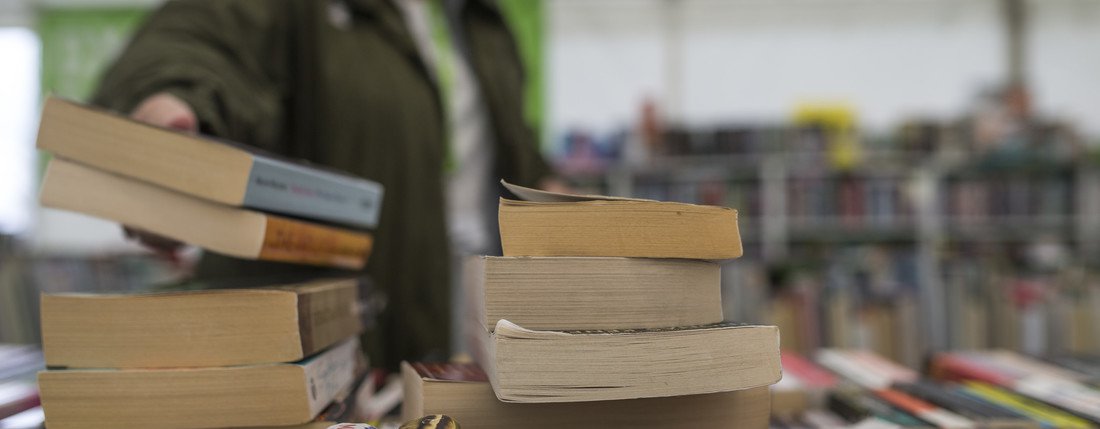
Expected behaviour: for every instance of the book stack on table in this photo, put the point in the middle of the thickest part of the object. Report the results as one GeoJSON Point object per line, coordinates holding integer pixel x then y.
{"type": "Point", "coordinates": [604, 313]}
{"type": "Point", "coordinates": [279, 355]}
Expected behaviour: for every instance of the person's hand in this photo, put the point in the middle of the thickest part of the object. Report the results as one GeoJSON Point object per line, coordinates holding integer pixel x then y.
{"type": "Point", "coordinates": [165, 110]}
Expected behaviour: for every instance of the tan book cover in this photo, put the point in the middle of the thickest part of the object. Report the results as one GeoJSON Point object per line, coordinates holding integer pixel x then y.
{"type": "Point", "coordinates": [198, 328]}
{"type": "Point", "coordinates": [551, 224]}
{"type": "Point", "coordinates": [463, 392]}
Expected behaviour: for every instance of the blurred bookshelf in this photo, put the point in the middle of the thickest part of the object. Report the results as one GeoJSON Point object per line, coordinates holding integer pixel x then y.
{"type": "Point", "coordinates": [923, 239]}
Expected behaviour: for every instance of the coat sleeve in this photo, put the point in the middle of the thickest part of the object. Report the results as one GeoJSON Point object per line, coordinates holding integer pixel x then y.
{"type": "Point", "coordinates": [226, 58]}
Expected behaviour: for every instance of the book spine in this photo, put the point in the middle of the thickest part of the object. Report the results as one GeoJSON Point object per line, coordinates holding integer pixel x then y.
{"type": "Point", "coordinates": [328, 373]}
{"type": "Point", "coordinates": [287, 240]}
{"type": "Point", "coordinates": [1048, 415]}
{"type": "Point", "coordinates": [327, 316]}
{"type": "Point", "coordinates": [283, 187]}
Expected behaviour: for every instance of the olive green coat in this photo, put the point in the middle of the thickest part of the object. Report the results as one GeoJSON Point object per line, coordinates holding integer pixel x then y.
{"type": "Point", "coordinates": [292, 77]}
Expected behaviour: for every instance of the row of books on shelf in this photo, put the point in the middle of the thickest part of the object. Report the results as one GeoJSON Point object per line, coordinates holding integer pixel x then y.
{"type": "Point", "coordinates": [967, 389]}
{"type": "Point", "coordinates": [857, 203]}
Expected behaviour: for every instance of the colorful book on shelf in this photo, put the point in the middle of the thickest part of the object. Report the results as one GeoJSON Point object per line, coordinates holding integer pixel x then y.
{"type": "Point", "coordinates": [984, 414]}
{"type": "Point", "coordinates": [803, 386]}
{"type": "Point", "coordinates": [206, 168]}
{"type": "Point", "coordinates": [463, 392]}
{"type": "Point", "coordinates": [570, 293]}
{"type": "Point", "coordinates": [552, 224]}
{"type": "Point", "coordinates": [229, 230]}
{"type": "Point", "coordinates": [198, 328]}
{"type": "Point", "coordinates": [1022, 375]}
{"type": "Point", "coordinates": [17, 396]}
{"type": "Point", "coordinates": [209, 397]}
{"type": "Point", "coordinates": [1047, 415]}
{"type": "Point", "coordinates": [574, 366]}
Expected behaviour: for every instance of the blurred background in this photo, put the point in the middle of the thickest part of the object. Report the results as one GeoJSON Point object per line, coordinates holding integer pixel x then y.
{"type": "Point", "coordinates": [911, 175]}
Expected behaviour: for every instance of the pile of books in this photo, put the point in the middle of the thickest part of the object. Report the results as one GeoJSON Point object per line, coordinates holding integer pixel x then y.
{"type": "Point", "coordinates": [224, 197]}
{"type": "Point", "coordinates": [971, 389]}
{"type": "Point", "coordinates": [19, 400]}
{"type": "Point", "coordinates": [604, 312]}
{"type": "Point", "coordinates": [284, 354]}
{"type": "Point", "coordinates": [200, 359]}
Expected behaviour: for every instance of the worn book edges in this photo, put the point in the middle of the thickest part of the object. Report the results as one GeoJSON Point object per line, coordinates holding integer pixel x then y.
{"type": "Point", "coordinates": [198, 328]}
{"type": "Point", "coordinates": [573, 366]}
{"type": "Point", "coordinates": [463, 392]}
{"type": "Point", "coordinates": [551, 224]}
{"type": "Point", "coordinates": [202, 167]}
{"type": "Point", "coordinates": [219, 228]}
{"type": "Point", "coordinates": [595, 293]}
{"type": "Point", "coordinates": [250, 395]}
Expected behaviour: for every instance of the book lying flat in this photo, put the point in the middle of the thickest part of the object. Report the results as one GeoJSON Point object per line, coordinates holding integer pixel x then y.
{"type": "Point", "coordinates": [551, 224]}
{"type": "Point", "coordinates": [574, 366]}
{"type": "Point", "coordinates": [220, 228]}
{"type": "Point", "coordinates": [198, 328]}
{"type": "Point", "coordinates": [596, 293]}
{"type": "Point", "coordinates": [211, 397]}
{"type": "Point", "coordinates": [205, 168]}
{"type": "Point", "coordinates": [464, 393]}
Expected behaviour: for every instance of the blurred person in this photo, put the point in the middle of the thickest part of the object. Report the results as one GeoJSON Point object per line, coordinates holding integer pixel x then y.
{"type": "Point", "coordinates": [422, 96]}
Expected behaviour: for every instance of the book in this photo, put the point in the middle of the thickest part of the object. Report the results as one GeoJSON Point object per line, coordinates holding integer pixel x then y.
{"type": "Point", "coordinates": [1022, 375]}
{"type": "Point", "coordinates": [232, 231]}
{"type": "Point", "coordinates": [802, 388]}
{"type": "Point", "coordinates": [206, 168]}
{"type": "Point", "coordinates": [572, 366]}
{"type": "Point", "coordinates": [984, 414]}
{"type": "Point", "coordinates": [1047, 415]}
{"type": "Point", "coordinates": [248, 395]}
{"type": "Point", "coordinates": [198, 328]}
{"type": "Point", "coordinates": [17, 396]}
{"type": "Point", "coordinates": [596, 293]}
{"type": "Point", "coordinates": [552, 224]}
{"type": "Point", "coordinates": [463, 392]}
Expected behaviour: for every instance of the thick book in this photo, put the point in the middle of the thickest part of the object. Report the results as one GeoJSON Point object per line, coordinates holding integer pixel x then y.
{"type": "Point", "coordinates": [551, 224]}
{"type": "Point", "coordinates": [463, 392]}
{"type": "Point", "coordinates": [198, 328]}
{"type": "Point", "coordinates": [596, 293]}
{"type": "Point", "coordinates": [229, 230]}
{"type": "Point", "coordinates": [210, 397]}
{"type": "Point", "coordinates": [205, 168]}
{"type": "Point", "coordinates": [573, 366]}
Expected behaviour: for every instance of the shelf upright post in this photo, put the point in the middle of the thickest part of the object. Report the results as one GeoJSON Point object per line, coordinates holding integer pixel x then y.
{"type": "Point", "coordinates": [927, 181]}
{"type": "Point", "coordinates": [773, 219]}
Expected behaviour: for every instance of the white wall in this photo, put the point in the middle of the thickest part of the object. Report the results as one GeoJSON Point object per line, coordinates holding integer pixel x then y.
{"type": "Point", "coordinates": [756, 59]}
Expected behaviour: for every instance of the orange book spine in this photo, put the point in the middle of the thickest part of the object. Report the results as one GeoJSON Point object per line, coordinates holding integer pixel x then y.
{"type": "Point", "coordinates": [287, 240]}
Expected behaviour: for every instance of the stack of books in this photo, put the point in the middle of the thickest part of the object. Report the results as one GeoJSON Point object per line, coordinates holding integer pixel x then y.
{"type": "Point", "coordinates": [224, 197]}
{"type": "Point", "coordinates": [284, 354]}
{"type": "Point", "coordinates": [604, 312]}
{"type": "Point", "coordinates": [200, 359]}
{"type": "Point", "coordinates": [19, 400]}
